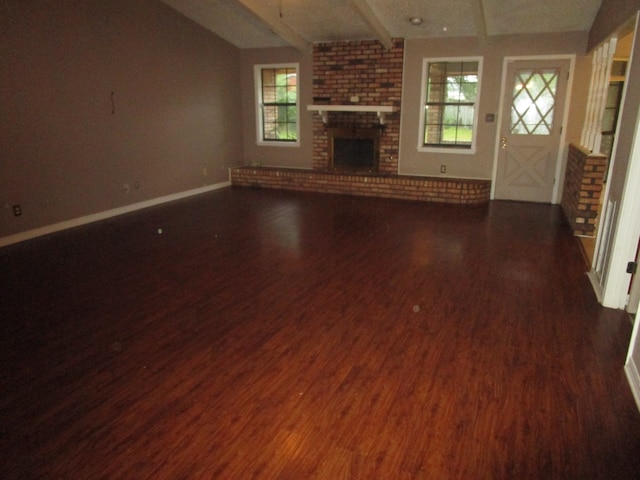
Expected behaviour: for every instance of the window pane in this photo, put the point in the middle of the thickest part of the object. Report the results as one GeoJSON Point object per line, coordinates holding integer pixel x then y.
{"type": "Point", "coordinates": [533, 105]}
{"type": "Point", "coordinates": [451, 113]}
{"type": "Point", "coordinates": [610, 117]}
{"type": "Point", "coordinates": [613, 94]}
{"type": "Point", "coordinates": [437, 72]}
{"type": "Point", "coordinates": [469, 88]}
{"type": "Point", "coordinates": [292, 114]}
{"type": "Point", "coordinates": [268, 78]}
{"type": "Point", "coordinates": [609, 120]}
{"type": "Point", "coordinates": [269, 121]}
{"type": "Point", "coordinates": [454, 68]}
{"type": "Point", "coordinates": [279, 104]}
{"type": "Point", "coordinates": [281, 77]}
{"type": "Point", "coordinates": [281, 94]}
{"type": "Point", "coordinates": [452, 90]}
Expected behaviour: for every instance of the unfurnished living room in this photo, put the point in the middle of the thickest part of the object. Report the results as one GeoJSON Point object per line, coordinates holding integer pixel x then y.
{"type": "Point", "coordinates": [331, 239]}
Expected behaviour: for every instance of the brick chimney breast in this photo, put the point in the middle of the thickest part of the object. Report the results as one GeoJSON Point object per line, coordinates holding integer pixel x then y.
{"type": "Point", "coordinates": [366, 71]}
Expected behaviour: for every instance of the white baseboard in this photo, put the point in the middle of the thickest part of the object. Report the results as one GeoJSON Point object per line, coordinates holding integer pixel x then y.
{"type": "Point", "coordinates": [95, 217]}
{"type": "Point", "coordinates": [630, 366]}
{"type": "Point", "coordinates": [633, 376]}
{"type": "Point", "coordinates": [595, 284]}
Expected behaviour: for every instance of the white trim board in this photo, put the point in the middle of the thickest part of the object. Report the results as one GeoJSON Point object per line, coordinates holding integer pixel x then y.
{"type": "Point", "coordinates": [627, 232]}
{"type": "Point", "coordinates": [95, 217]}
{"type": "Point", "coordinates": [625, 229]}
{"type": "Point", "coordinates": [631, 367]}
{"type": "Point", "coordinates": [633, 377]}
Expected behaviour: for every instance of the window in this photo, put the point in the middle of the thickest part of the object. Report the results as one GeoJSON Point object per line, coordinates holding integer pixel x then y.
{"type": "Point", "coordinates": [277, 109]}
{"type": "Point", "coordinates": [533, 103]}
{"type": "Point", "coordinates": [451, 89]}
{"type": "Point", "coordinates": [610, 117]}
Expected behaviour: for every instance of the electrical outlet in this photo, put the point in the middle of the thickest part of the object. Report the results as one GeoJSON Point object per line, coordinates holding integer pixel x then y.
{"type": "Point", "coordinates": [443, 169]}
{"type": "Point", "coordinates": [17, 210]}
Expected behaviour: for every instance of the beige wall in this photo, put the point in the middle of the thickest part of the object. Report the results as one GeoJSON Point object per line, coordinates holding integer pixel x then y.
{"type": "Point", "coordinates": [183, 106]}
{"type": "Point", "coordinates": [493, 51]}
{"type": "Point", "coordinates": [611, 16]}
{"type": "Point", "coordinates": [277, 156]}
{"type": "Point", "coordinates": [411, 161]}
{"type": "Point", "coordinates": [66, 151]}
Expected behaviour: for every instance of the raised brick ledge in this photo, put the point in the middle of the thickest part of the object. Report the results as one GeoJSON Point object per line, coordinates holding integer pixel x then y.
{"type": "Point", "coordinates": [583, 185]}
{"type": "Point", "coordinates": [429, 189]}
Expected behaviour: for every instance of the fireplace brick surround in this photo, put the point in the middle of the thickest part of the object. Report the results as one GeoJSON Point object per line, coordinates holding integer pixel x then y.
{"type": "Point", "coordinates": [362, 69]}
{"type": "Point", "coordinates": [343, 71]}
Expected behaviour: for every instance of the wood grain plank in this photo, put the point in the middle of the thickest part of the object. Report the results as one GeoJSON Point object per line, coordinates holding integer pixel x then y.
{"type": "Point", "coordinates": [276, 335]}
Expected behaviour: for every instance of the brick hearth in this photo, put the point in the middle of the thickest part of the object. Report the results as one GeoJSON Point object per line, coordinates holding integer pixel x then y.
{"type": "Point", "coordinates": [361, 73]}
{"type": "Point", "coordinates": [442, 190]}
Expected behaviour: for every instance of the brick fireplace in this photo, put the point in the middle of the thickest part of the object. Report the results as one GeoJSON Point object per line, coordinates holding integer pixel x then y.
{"type": "Point", "coordinates": [357, 88]}
{"type": "Point", "coordinates": [360, 73]}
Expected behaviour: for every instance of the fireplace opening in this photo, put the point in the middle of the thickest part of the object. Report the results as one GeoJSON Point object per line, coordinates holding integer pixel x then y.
{"type": "Point", "coordinates": [354, 149]}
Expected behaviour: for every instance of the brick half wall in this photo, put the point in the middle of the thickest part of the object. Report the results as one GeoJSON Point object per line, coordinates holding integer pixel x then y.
{"type": "Point", "coordinates": [446, 190]}
{"type": "Point", "coordinates": [583, 187]}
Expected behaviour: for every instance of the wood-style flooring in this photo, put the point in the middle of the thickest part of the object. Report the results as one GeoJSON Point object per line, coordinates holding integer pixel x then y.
{"type": "Point", "coordinates": [272, 335]}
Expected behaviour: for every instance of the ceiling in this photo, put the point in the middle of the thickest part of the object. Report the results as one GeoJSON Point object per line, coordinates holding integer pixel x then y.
{"type": "Point", "coordinates": [300, 23]}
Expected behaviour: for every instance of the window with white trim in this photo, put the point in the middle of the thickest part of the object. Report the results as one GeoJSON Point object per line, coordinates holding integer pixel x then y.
{"type": "Point", "coordinates": [450, 95]}
{"type": "Point", "coordinates": [277, 104]}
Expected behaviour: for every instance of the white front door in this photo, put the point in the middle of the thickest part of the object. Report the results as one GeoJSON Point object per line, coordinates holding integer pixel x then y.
{"type": "Point", "coordinates": [531, 128]}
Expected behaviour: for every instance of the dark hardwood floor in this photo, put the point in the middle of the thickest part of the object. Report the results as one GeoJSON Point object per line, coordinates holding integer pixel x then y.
{"type": "Point", "coordinates": [275, 335]}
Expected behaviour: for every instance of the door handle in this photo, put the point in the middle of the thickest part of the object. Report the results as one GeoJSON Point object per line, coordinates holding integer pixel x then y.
{"type": "Point", "coordinates": [503, 142]}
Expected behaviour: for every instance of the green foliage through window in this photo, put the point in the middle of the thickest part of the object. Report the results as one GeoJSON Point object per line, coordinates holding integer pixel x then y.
{"type": "Point", "coordinates": [450, 107]}
{"type": "Point", "coordinates": [279, 88]}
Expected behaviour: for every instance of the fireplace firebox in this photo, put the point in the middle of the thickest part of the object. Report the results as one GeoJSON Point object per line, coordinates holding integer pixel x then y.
{"type": "Point", "coordinates": [354, 149]}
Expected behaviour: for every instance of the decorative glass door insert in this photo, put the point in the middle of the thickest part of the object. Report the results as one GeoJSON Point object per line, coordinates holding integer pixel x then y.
{"type": "Point", "coordinates": [534, 101]}
{"type": "Point", "coordinates": [531, 130]}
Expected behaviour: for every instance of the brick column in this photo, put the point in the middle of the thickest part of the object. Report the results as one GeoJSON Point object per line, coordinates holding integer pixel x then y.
{"type": "Point", "coordinates": [583, 184]}
{"type": "Point", "coordinates": [364, 69]}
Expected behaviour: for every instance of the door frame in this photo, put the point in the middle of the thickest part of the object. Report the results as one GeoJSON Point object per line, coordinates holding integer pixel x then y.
{"type": "Point", "coordinates": [612, 290]}
{"type": "Point", "coordinates": [560, 163]}
{"type": "Point", "coordinates": [627, 238]}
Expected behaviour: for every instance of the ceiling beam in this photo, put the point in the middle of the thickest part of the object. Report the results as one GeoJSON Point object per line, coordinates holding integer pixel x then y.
{"type": "Point", "coordinates": [277, 26]}
{"type": "Point", "coordinates": [372, 20]}
{"type": "Point", "coordinates": [477, 7]}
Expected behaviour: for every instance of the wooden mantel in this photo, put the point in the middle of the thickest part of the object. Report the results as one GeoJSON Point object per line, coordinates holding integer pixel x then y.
{"type": "Point", "coordinates": [324, 110]}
